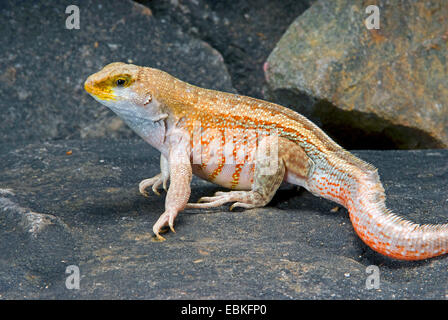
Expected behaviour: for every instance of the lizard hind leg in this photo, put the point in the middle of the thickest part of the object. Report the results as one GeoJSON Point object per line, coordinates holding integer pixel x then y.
{"type": "Point", "coordinates": [263, 190]}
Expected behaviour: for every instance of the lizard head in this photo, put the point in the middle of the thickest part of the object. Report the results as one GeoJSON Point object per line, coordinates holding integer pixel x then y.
{"type": "Point", "coordinates": [127, 90]}
{"type": "Point", "coordinates": [124, 89]}
{"type": "Point", "coordinates": [121, 86]}
{"type": "Point", "coordinates": [114, 83]}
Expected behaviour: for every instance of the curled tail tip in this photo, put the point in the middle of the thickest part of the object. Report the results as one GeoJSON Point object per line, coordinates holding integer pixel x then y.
{"type": "Point", "coordinates": [396, 237]}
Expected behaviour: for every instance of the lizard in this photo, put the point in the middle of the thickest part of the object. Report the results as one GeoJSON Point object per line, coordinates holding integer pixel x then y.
{"type": "Point", "coordinates": [218, 136]}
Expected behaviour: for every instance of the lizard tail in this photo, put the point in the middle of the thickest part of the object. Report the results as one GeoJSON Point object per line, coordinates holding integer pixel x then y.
{"type": "Point", "coordinates": [387, 233]}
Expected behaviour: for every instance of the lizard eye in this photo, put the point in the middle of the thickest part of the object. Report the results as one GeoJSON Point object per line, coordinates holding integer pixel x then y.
{"type": "Point", "coordinates": [120, 82]}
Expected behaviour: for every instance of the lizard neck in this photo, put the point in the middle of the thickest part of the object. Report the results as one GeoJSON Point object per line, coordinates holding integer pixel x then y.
{"type": "Point", "coordinates": [151, 129]}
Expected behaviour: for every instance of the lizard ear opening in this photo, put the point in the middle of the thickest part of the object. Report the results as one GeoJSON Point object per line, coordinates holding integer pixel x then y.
{"type": "Point", "coordinates": [148, 99]}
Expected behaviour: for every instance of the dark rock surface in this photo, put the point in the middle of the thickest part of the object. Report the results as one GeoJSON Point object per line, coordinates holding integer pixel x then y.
{"type": "Point", "coordinates": [387, 86]}
{"type": "Point", "coordinates": [294, 248]}
{"type": "Point", "coordinates": [45, 65]}
{"type": "Point", "coordinates": [76, 202]}
{"type": "Point", "coordinates": [243, 31]}
{"type": "Point", "coordinates": [35, 248]}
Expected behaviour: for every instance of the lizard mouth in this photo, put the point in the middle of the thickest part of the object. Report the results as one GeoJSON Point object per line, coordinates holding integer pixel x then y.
{"type": "Point", "coordinates": [101, 93]}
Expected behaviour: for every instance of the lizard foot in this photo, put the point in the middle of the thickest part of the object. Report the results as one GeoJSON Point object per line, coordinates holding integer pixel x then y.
{"type": "Point", "coordinates": [166, 219]}
{"type": "Point", "coordinates": [244, 199]}
{"type": "Point", "coordinates": [155, 182]}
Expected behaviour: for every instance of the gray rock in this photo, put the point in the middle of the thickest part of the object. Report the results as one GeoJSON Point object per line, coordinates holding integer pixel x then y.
{"type": "Point", "coordinates": [45, 65]}
{"type": "Point", "coordinates": [381, 88]}
{"type": "Point", "coordinates": [243, 31]}
{"type": "Point", "coordinates": [35, 248]}
{"type": "Point", "coordinates": [295, 248]}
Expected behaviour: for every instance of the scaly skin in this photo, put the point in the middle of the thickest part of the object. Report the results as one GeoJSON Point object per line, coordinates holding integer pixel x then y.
{"type": "Point", "coordinates": [218, 136]}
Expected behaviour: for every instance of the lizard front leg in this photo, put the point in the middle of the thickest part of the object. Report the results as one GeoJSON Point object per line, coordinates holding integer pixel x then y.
{"type": "Point", "coordinates": [156, 181]}
{"type": "Point", "coordinates": [180, 172]}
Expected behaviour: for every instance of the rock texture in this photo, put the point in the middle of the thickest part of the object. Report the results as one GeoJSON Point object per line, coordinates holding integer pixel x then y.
{"type": "Point", "coordinates": [243, 31]}
{"type": "Point", "coordinates": [383, 88]}
{"type": "Point", "coordinates": [35, 248]}
{"type": "Point", "coordinates": [44, 65]}
{"type": "Point", "coordinates": [298, 247]}
{"type": "Point", "coordinates": [76, 202]}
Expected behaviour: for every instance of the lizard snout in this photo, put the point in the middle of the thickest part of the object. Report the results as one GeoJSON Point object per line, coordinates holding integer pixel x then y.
{"type": "Point", "coordinates": [89, 85]}
{"type": "Point", "coordinates": [98, 90]}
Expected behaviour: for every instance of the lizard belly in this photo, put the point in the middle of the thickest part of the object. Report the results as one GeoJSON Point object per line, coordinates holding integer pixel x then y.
{"type": "Point", "coordinates": [224, 160]}
{"type": "Point", "coordinates": [232, 176]}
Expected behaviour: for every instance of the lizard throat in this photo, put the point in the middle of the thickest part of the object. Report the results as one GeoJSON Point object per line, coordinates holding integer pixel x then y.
{"type": "Point", "coordinates": [146, 126]}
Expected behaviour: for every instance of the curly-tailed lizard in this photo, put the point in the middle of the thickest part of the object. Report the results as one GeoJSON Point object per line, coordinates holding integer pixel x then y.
{"type": "Point", "coordinates": [218, 137]}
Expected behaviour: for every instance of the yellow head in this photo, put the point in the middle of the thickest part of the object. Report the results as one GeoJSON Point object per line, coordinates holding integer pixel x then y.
{"type": "Point", "coordinates": [113, 82]}
{"type": "Point", "coordinates": [130, 91]}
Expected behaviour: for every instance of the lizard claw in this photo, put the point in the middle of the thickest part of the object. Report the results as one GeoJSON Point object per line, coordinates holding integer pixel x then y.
{"type": "Point", "coordinates": [155, 182]}
{"type": "Point", "coordinates": [159, 237]}
{"type": "Point", "coordinates": [166, 219]}
{"type": "Point", "coordinates": [154, 189]}
{"type": "Point", "coordinates": [171, 222]}
{"type": "Point", "coordinates": [241, 205]}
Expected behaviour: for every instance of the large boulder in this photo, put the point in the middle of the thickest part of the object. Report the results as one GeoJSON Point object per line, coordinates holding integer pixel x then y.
{"type": "Point", "coordinates": [367, 88]}
{"type": "Point", "coordinates": [243, 31]}
{"type": "Point", "coordinates": [44, 65]}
